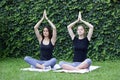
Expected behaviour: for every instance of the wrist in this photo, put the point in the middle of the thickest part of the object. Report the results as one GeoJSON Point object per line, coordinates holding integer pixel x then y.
{"type": "Point", "coordinates": [82, 20]}
{"type": "Point", "coordinates": [47, 19]}
{"type": "Point", "coordinates": [77, 20]}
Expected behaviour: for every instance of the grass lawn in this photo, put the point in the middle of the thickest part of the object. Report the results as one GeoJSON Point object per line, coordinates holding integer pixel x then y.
{"type": "Point", "coordinates": [10, 70]}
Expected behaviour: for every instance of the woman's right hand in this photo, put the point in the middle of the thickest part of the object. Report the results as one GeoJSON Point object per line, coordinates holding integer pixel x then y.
{"type": "Point", "coordinates": [79, 16]}
{"type": "Point", "coordinates": [45, 15]}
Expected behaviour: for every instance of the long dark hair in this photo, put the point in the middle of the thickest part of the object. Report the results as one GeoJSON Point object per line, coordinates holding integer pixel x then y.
{"type": "Point", "coordinates": [49, 30]}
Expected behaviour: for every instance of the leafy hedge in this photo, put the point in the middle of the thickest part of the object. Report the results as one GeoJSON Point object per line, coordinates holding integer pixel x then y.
{"type": "Point", "coordinates": [18, 17]}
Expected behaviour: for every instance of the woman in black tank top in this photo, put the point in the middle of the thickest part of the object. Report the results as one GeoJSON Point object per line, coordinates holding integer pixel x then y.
{"type": "Point", "coordinates": [80, 46]}
{"type": "Point", "coordinates": [47, 41]}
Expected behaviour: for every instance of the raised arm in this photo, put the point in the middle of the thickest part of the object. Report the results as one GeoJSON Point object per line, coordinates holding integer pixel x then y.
{"type": "Point", "coordinates": [69, 27]}
{"type": "Point", "coordinates": [90, 32]}
{"type": "Point", "coordinates": [54, 32]}
{"type": "Point", "coordinates": [38, 35]}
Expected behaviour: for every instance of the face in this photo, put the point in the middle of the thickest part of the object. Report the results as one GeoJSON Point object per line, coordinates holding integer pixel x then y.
{"type": "Point", "coordinates": [45, 32]}
{"type": "Point", "coordinates": [80, 31]}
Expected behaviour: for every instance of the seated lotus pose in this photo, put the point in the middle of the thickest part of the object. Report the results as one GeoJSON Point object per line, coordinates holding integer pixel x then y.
{"type": "Point", "coordinates": [46, 41]}
{"type": "Point", "coordinates": [80, 46]}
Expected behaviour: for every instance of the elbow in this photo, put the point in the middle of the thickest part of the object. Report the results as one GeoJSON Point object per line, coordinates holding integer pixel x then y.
{"type": "Point", "coordinates": [35, 27]}
{"type": "Point", "coordinates": [92, 27]}
{"type": "Point", "coordinates": [68, 27]}
{"type": "Point", "coordinates": [54, 28]}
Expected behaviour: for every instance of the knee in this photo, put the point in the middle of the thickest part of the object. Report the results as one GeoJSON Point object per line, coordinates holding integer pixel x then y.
{"type": "Point", "coordinates": [61, 63]}
{"type": "Point", "coordinates": [54, 60]}
{"type": "Point", "coordinates": [89, 61]}
{"type": "Point", "coordinates": [26, 58]}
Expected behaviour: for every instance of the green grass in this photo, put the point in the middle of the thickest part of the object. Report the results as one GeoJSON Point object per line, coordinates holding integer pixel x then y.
{"type": "Point", "coordinates": [10, 70]}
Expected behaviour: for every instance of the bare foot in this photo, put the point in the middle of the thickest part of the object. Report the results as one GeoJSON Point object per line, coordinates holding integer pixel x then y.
{"type": "Point", "coordinates": [40, 66]}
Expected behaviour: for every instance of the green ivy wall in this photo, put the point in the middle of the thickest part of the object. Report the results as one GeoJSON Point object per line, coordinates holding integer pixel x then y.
{"type": "Point", "coordinates": [18, 17]}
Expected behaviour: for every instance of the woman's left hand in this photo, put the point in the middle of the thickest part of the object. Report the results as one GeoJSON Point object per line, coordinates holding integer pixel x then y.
{"type": "Point", "coordinates": [45, 15]}
{"type": "Point", "coordinates": [79, 16]}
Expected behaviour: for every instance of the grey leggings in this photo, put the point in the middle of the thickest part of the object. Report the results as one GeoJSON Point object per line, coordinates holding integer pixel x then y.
{"type": "Point", "coordinates": [33, 61]}
{"type": "Point", "coordinates": [74, 64]}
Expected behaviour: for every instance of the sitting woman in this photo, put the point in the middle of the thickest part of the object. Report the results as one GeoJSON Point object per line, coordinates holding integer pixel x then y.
{"type": "Point", "coordinates": [47, 41]}
{"type": "Point", "coordinates": [80, 46]}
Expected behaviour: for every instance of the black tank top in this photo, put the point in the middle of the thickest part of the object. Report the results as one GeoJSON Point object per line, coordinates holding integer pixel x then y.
{"type": "Point", "coordinates": [80, 47]}
{"type": "Point", "coordinates": [46, 51]}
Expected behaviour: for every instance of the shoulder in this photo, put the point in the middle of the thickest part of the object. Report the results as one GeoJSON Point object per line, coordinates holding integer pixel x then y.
{"type": "Point", "coordinates": [87, 40]}
{"type": "Point", "coordinates": [74, 37]}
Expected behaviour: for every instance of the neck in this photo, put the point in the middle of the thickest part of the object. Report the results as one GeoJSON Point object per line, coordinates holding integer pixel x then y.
{"type": "Point", "coordinates": [46, 38]}
{"type": "Point", "coordinates": [81, 36]}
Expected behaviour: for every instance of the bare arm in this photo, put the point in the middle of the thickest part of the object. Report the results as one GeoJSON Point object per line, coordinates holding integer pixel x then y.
{"type": "Point", "coordinates": [54, 32]}
{"type": "Point", "coordinates": [69, 27]}
{"type": "Point", "coordinates": [90, 32]}
{"type": "Point", "coordinates": [38, 35]}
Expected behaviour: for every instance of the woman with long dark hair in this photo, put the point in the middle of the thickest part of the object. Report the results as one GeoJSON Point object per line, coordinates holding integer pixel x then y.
{"type": "Point", "coordinates": [46, 41]}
